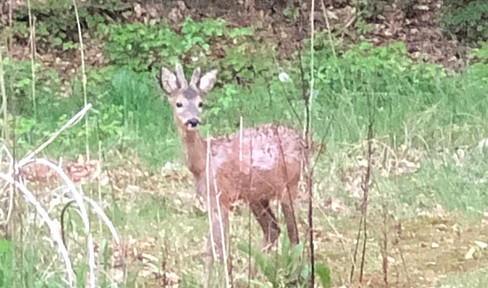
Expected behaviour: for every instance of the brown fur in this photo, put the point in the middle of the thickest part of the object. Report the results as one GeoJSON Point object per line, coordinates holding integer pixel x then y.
{"type": "Point", "coordinates": [262, 165]}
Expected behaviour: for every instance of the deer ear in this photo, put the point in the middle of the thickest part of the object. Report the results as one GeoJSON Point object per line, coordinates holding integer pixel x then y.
{"type": "Point", "coordinates": [167, 80]}
{"type": "Point", "coordinates": [207, 81]}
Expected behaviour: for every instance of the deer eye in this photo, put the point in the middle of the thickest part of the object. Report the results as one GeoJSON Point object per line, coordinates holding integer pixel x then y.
{"type": "Point", "coordinates": [179, 104]}
{"type": "Point", "coordinates": [200, 104]}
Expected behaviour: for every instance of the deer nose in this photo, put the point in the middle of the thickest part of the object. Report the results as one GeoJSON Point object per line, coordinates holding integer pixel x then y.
{"type": "Point", "coordinates": [193, 122]}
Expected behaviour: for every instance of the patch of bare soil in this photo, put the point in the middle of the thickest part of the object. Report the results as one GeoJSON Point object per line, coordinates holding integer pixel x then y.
{"type": "Point", "coordinates": [419, 253]}
{"type": "Point", "coordinates": [419, 29]}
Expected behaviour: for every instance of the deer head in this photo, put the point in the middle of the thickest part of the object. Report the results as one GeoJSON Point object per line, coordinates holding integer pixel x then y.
{"type": "Point", "coordinates": [186, 99]}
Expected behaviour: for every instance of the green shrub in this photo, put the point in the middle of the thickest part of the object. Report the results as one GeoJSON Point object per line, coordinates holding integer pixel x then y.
{"type": "Point", "coordinates": [140, 46]}
{"type": "Point", "coordinates": [56, 25]}
{"type": "Point", "coordinates": [467, 20]}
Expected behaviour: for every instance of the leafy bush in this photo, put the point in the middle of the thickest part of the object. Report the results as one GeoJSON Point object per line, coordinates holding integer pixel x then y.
{"type": "Point", "coordinates": [467, 19]}
{"type": "Point", "coordinates": [56, 25]}
{"type": "Point", "coordinates": [139, 46]}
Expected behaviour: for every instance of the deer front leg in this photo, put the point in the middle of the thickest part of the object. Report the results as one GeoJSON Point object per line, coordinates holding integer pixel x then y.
{"type": "Point", "coordinates": [267, 221]}
{"type": "Point", "coordinates": [290, 220]}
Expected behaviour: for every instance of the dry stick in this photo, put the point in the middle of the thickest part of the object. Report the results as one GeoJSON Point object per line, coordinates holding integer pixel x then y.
{"type": "Point", "coordinates": [99, 190]}
{"type": "Point", "coordinates": [5, 131]}
{"type": "Point", "coordinates": [33, 55]}
{"type": "Point", "coordinates": [384, 248]}
{"type": "Point", "coordinates": [209, 202]}
{"type": "Point", "coordinates": [4, 100]}
{"type": "Point", "coordinates": [366, 192]}
{"type": "Point", "coordinates": [9, 39]}
{"type": "Point", "coordinates": [356, 248]}
{"type": "Point", "coordinates": [209, 212]}
{"type": "Point", "coordinates": [45, 217]}
{"type": "Point", "coordinates": [308, 130]}
{"type": "Point", "coordinates": [85, 101]}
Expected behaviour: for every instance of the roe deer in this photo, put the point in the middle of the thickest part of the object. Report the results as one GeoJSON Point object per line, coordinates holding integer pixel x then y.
{"type": "Point", "coordinates": [256, 165]}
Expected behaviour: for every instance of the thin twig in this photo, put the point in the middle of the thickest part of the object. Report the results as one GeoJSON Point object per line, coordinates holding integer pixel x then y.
{"type": "Point", "coordinates": [209, 214]}
{"type": "Point", "coordinates": [33, 55]}
{"type": "Point", "coordinates": [9, 39]}
{"type": "Point", "coordinates": [384, 248]}
{"type": "Point", "coordinates": [83, 71]}
{"type": "Point", "coordinates": [3, 110]}
{"type": "Point", "coordinates": [366, 186]}
{"type": "Point", "coordinates": [356, 248]}
{"type": "Point", "coordinates": [308, 141]}
{"type": "Point", "coordinates": [209, 202]}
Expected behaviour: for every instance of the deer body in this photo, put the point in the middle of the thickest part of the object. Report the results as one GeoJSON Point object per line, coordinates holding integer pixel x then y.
{"type": "Point", "coordinates": [256, 165]}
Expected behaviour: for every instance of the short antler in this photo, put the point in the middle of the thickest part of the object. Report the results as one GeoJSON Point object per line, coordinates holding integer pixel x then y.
{"type": "Point", "coordinates": [195, 78]}
{"type": "Point", "coordinates": [181, 76]}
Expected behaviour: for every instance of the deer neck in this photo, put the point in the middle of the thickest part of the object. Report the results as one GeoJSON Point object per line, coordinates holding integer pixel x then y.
{"type": "Point", "coordinates": [196, 152]}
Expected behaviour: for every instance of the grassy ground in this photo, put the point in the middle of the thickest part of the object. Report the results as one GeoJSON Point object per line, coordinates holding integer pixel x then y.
{"type": "Point", "coordinates": [429, 194]}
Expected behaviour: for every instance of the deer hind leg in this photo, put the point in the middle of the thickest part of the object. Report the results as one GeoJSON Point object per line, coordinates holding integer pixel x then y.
{"type": "Point", "coordinates": [289, 213]}
{"type": "Point", "coordinates": [267, 220]}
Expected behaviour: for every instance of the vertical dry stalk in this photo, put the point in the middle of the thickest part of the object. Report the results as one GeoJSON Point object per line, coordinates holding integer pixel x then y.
{"type": "Point", "coordinates": [209, 214]}
{"type": "Point", "coordinates": [365, 189]}
{"type": "Point", "coordinates": [356, 248]}
{"type": "Point", "coordinates": [209, 202]}
{"type": "Point", "coordinates": [5, 133]}
{"type": "Point", "coordinates": [82, 54]}
{"type": "Point", "coordinates": [4, 100]}
{"type": "Point", "coordinates": [384, 248]}
{"type": "Point", "coordinates": [308, 142]}
{"type": "Point", "coordinates": [32, 30]}
{"type": "Point", "coordinates": [9, 39]}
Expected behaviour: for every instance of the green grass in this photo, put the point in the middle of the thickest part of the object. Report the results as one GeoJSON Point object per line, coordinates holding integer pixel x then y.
{"type": "Point", "coordinates": [473, 279]}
